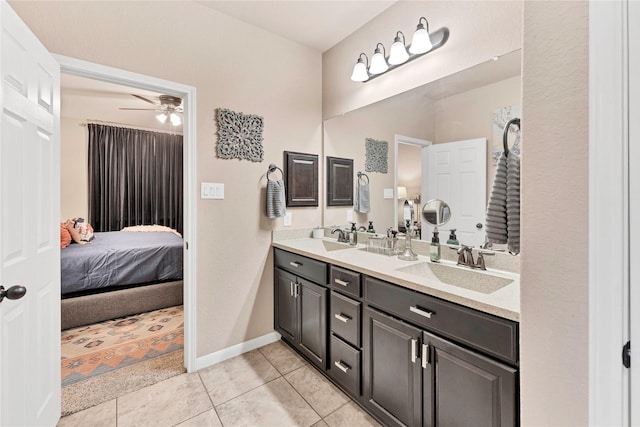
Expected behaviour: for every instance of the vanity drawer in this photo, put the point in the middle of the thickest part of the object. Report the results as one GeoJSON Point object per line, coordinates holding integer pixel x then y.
{"type": "Point", "coordinates": [316, 271]}
{"type": "Point", "coordinates": [344, 365]}
{"type": "Point", "coordinates": [345, 318]}
{"type": "Point", "coordinates": [346, 281]}
{"type": "Point", "coordinates": [485, 332]}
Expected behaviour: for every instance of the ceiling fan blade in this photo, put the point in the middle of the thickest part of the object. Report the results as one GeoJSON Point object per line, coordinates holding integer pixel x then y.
{"type": "Point", "coordinates": [144, 99]}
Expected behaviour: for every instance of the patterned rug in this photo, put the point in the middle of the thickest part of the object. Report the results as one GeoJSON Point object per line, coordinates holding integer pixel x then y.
{"type": "Point", "coordinates": [93, 350]}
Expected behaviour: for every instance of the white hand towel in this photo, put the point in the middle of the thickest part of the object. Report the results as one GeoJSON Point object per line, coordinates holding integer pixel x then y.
{"type": "Point", "coordinates": [363, 200]}
{"type": "Point", "coordinates": [275, 199]}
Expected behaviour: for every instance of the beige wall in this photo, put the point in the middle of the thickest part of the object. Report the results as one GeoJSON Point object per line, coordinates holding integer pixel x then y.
{"type": "Point", "coordinates": [479, 30]}
{"type": "Point", "coordinates": [554, 280]}
{"type": "Point", "coordinates": [232, 65]}
{"type": "Point", "coordinates": [73, 169]}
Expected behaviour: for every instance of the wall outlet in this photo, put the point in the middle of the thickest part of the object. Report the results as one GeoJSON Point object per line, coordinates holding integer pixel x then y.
{"type": "Point", "coordinates": [350, 215]}
{"type": "Point", "coordinates": [287, 219]}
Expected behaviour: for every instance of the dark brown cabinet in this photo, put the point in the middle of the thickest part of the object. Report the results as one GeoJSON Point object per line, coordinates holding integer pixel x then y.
{"type": "Point", "coordinates": [301, 179]}
{"type": "Point", "coordinates": [339, 181]}
{"type": "Point", "coordinates": [301, 305]}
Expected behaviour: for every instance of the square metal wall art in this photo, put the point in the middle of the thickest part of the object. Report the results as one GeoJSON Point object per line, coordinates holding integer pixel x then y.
{"type": "Point", "coordinates": [376, 155]}
{"type": "Point", "coordinates": [240, 135]}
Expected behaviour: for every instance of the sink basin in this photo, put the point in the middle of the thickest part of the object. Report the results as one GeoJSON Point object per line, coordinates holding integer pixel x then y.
{"type": "Point", "coordinates": [330, 245]}
{"type": "Point", "coordinates": [458, 276]}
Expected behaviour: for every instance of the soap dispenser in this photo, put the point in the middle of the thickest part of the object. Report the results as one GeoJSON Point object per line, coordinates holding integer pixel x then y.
{"type": "Point", "coordinates": [434, 248]}
{"type": "Point", "coordinates": [453, 240]}
{"type": "Point", "coordinates": [353, 236]}
{"type": "Point", "coordinates": [371, 229]}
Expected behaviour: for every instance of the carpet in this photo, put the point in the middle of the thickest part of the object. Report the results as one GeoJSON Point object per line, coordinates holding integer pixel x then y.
{"type": "Point", "coordinates": [110, 359]}
{"type": "Point", "coordinates": [94, 350]}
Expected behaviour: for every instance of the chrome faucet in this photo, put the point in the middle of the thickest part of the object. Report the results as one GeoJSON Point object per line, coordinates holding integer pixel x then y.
{"type": "Point", "coordinates": [465, 257]}
{"type": "Point", "coordinates": [342, 236]}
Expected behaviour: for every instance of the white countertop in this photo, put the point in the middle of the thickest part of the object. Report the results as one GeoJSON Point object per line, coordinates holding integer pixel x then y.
{"type": "Point", "coordinates": [504, 302]}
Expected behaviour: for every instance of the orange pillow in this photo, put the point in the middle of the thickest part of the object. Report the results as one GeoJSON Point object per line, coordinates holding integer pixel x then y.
{"type": "Point", "coordinates": [65, 236]}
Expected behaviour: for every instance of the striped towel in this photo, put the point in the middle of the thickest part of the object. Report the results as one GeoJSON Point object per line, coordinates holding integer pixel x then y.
{"type": "Point", "coordinates": [497, 205]}
{"type": "Point", "coordinates": [513, 203]}
{"type": "Point", "coordinates": [275, 199]}
{"type": "Point", "coordinates": [363, 199]}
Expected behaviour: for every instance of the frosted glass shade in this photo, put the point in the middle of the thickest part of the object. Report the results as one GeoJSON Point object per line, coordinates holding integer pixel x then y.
{"type": "Point", "coordinates": [398, 53]}
{"type": "Point", "coordinates": [175, 119]}
{"type": "Point", "coordinates": [378, 63]}
{"type": "Point", "coordinates": [360, 72]}
{"type": "Point", "coordinates": [162, 118]}
{"type": "Point", "coordinates": [402, 192]}
{"type": "Point", "coordinates": [421, 42]}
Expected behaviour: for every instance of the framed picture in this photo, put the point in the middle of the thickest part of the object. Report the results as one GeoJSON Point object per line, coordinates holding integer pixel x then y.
{"type": "Point", "coordinates": [301, 179]}
{"type": "Point", "coordinates": [339, 181]}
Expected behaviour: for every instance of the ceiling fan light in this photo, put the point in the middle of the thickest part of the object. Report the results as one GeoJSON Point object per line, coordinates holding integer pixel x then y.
{"type": "Point", "coordinates": [162, 118]}
{"type": "Point", "coordinates": [175, 119]}
{"type": "Point", "coordinates": [398, 52]}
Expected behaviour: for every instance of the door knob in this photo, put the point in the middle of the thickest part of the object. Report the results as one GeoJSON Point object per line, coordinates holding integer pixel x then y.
{"type": "Point", "coordinates": [479, 225]}
{"type": "Point", "coordinates": [14, 292]}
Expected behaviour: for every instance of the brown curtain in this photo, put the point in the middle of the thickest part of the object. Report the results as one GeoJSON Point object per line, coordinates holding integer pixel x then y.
{"type": "Point", "coordinates": [135, 178]}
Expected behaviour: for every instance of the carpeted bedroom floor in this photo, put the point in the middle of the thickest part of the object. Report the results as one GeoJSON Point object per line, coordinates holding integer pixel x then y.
{"type": "Point", "coordinates": [112, 358]}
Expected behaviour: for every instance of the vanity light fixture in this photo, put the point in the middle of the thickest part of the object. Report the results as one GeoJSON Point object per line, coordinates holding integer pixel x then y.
{"type": "Point", "coordinates": [398, 52]}
{"type": "Point", "coordinates": [378, 61]}
{"type": "Point", "coordinates": [422, 43]}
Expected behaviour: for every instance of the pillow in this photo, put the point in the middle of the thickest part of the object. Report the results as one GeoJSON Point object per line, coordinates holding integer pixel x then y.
{"type": "Point", "coordinates": [81, 231]}
{"type": "Point", "coordinates": [65, 236]}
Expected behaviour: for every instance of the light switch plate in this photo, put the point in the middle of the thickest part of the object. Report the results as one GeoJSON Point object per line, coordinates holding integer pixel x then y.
{"type": "Point", "coordinates": [287, 219]}
{"type": "Point", "coordinates": [388, 193]}
{"type": "Point", "coordinates": [211, 190]}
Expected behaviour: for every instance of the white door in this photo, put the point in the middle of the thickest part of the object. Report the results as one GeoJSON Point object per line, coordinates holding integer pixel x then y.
{"type": "Point", "coordinates": [633, 52]}
{"type": "Point", "coordinates": [456, 173]}
{"type": "Point", "coordinates": [29, 231]}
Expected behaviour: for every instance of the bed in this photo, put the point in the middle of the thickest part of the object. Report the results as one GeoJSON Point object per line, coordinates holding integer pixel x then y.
{"type": "Point", "coordinates": [118, 274]}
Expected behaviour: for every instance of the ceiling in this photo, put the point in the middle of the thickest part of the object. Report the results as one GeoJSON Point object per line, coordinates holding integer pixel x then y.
{"type": "Point", "coordinates": [317, 24]}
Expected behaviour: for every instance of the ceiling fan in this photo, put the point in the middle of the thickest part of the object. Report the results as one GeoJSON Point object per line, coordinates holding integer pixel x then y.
{"type": "Point", "coordinates": [170, 107]}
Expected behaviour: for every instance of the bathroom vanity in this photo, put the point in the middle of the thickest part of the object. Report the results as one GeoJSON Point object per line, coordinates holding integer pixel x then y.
{"type": "Point", "coordinates": [409, 348]}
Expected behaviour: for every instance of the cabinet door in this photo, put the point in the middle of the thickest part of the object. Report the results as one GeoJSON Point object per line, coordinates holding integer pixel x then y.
{"type": "Point", "coordinates": [312, 309]}
{"type": "Point", "coordinates": [392, 369]}
{"type": "Point", "coordinates": [467, 388]}
{"type": "Point", "coordinates": [286, 307]}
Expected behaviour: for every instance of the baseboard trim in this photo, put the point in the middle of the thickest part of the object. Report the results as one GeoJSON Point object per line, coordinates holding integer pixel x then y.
{"type": "Point", "coordinates": [236, 350]}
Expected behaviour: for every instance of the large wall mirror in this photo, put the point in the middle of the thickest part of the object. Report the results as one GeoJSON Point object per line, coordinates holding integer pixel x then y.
{"type": "Point", "coordinates": [459, 107]}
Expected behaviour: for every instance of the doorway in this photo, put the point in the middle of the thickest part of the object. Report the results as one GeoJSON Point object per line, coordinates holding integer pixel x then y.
{"type": "Point", "coordinates": [188, 94]}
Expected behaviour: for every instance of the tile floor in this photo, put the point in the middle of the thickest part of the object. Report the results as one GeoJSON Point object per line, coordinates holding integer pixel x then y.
{"type": "Point", "coordinates": [270, 386]}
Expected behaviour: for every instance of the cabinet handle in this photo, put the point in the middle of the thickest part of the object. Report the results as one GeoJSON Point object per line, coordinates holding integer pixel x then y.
{"type": "Point", "coordinates": [414, 350]}
{"type": "Point", "coordinates": [291, 288]}
{"type": "Point", "coordinates": [343, 367]}
{"type": "Point", "coordinates": [423, 313]}
{"type": "Point", "coordinates": [341, 282]}
{"type": "Point", "coordinates": [341, 317]}
{"type": "Point", "coordinates": [294, 264]}
{"type": "Point", "coordinates": [425, 356]}
{"type": "Point", "coordinates": [296, 289]}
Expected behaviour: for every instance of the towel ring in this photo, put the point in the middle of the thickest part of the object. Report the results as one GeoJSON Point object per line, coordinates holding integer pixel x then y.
{"type": "Point", "coordinates": [505, 133]}
{"type": "Point", "coordinates": [272, 169]}
{"type": "Point", "coordinates": [360, 175]}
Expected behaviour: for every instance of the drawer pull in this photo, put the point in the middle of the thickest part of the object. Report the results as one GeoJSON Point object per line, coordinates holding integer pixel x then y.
{"type": "Point", "coordinates": [341, 317]}
{"type": "Point", "coordinates": [414, 350]}
{"type": "Point", "coordinates": [341, 282]}
{"type": "Point", "coordinates": [425, 356]}
{"type": "Point", "coordinates": [343, 367]}
{"type": "Point", "coordinates": [423, 313]}
{"type": "Point", "coordinates": [294, 264]}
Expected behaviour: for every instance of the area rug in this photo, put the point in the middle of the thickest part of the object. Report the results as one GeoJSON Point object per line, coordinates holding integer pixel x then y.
{"type": "Point", "coordinates": [110, 359]}
{"type": "Point", "coordinates": [94, 350]}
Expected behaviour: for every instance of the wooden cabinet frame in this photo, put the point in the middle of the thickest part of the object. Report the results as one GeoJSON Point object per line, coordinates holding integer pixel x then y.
{"type": "Point", "coordinates": [301, 179]}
